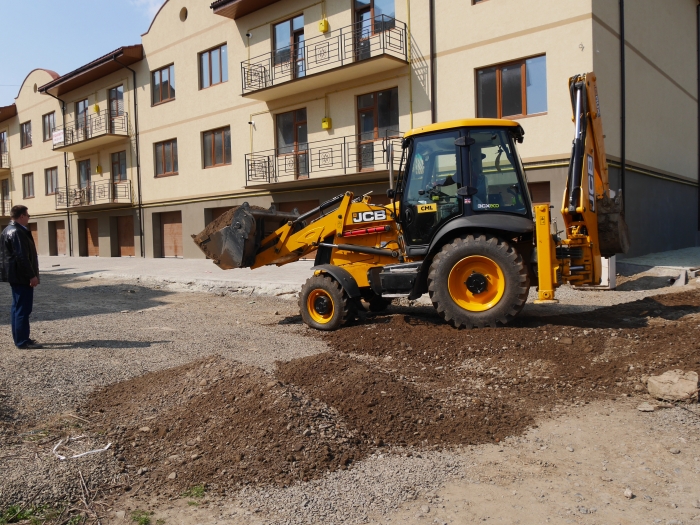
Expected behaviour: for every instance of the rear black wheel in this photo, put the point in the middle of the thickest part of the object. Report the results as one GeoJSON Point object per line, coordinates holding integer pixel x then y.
{"type": "Point", "coordinates": [478, 281]}
{"type": "Point", "coordinates": [323, 303]}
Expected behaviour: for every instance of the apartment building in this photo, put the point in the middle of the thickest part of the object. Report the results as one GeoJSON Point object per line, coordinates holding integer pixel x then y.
{"type": "Point", "coordinates": [289, 103]}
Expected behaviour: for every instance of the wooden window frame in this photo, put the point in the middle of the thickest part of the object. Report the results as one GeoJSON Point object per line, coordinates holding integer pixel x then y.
{"type": "Point", "coordinates": [171, 74]}
{"type": "Point", "coordinates": [292, 44]}
{"type": "Point", "coordinates": [199, 66]}
{"type": "Point", "coordinates": [46, 180]}
{"type": "Point", "coordinates": [22, 139]}
{"type": "Point", "coordinates": [111, 158]}
{"type": "Point", "coordinates": [86, 113]}
{"type": "Point", "coordinates": [28, 176]}
{"type": "Point", "coordinates": [173, 158]}
{"type": "Point", "coordinates": [499, 95]}
{"type": "Point", "coordinates": [49, 136]}
{"type": "Point", "coordinates": [374, 109]}
{"type": "Point", "coordinates": [297, 153]}
{"type": "Point", "coordinates": [213, 147]}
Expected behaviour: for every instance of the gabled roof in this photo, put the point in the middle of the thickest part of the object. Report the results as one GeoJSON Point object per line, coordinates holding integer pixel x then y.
{"type": "Point", "coordinates": [237, 8]}
{"type": "Point", "coordinates": [96, 69]}
{"type": "Point", "coordinates": [7, 112]}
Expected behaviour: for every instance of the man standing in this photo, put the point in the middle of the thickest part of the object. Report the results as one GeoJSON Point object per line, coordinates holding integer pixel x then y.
{"type": "Point", "coordinates": [19, 265]}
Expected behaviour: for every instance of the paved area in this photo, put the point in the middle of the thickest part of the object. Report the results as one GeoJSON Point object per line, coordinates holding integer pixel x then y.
{"type": "Point", "coordinates": [684, 258]}
{"type": "Point", "coordinates": [193, 274]}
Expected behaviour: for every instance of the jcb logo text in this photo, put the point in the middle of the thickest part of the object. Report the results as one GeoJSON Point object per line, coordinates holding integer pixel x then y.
{"type": "Point", "coordinates": [369, 216]}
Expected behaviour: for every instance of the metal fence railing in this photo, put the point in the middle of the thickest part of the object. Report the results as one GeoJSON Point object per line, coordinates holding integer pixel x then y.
{"type": "Point", "coordinates": [5, 207]}
{"type": "Point", "coordinates": [363, 40]}
{"type": "Point", "coordinates": [336, 156]}
{"type": "Point", "coordinates": [102, 192]}
{"type": "Point", "coordinates": [5, 160]}
{"type": "Point", "coordinates": [91, 126]}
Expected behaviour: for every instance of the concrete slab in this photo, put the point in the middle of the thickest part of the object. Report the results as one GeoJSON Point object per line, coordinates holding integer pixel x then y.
{"type": "Point", "coordinates": [185, 274]}
{"type": "Point", "coordinates": [685, 258]}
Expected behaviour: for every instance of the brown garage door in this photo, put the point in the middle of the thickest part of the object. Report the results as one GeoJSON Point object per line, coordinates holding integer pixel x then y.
{"type": "Point", "coordinates": [92, 239]}
{"type": "Point", "coordinates": [125, 235]}
{"type": "Point", "coordinates": [539, 191]}
{"type": "Point", "coordinates": [35, 235]}
{"type": "Point", "coordinates": [60, 240]}
{"type": "Point", "coordinates": [218, 212]}
{"type": "Point", "coordinates": [171, 233]}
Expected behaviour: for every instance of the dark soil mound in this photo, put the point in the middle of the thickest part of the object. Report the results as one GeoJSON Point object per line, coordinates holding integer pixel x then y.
{"type": "Point", "coordinates": [222, 424]}
{"type": "Point", "coordinates": [386, 408]}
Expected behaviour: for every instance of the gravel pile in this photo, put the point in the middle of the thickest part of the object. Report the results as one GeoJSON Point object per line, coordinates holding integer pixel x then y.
{"type": "Point", "coordinates": [376, 487]}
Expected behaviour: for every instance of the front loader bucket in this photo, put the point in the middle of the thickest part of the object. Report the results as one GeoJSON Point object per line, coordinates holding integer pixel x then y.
{"type": "Point", "coordinates": [613, 233]}
{"type": "Point", "coordinates": [232, 241]}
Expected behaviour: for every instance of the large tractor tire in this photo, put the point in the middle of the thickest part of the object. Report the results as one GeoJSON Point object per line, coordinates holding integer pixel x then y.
{"type": "Point", "coordinates": [323, 303]}
{"type": "Point", "coordinates": [478, 281]}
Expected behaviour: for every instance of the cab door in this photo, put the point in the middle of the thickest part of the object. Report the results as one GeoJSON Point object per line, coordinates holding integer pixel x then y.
{"type": "Point", "coordinates": [433, 177]}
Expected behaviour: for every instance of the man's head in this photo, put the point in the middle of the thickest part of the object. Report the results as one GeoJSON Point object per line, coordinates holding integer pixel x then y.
{"type": "Point", "coordinates": [20, 214]}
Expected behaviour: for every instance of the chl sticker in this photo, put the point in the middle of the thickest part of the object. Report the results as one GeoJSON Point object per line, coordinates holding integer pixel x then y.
{"type": "Point", "coordinates": [369, 216]}
{"type": "Point", "coordinates": [427, 208]}
{"type": "Point", "coordinates": [591, 184]}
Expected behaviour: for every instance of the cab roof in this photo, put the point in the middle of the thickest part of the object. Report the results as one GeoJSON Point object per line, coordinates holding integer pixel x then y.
{"type": "Point", "coordinates": [464, 123]}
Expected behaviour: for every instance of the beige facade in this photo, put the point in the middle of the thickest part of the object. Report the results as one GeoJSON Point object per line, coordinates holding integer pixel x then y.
{"type": "Point", "coordinates": [321, 91]}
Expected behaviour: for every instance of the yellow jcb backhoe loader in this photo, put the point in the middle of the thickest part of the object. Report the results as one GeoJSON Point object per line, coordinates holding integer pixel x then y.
{"type": "Point", "coordinates": [460, 227]}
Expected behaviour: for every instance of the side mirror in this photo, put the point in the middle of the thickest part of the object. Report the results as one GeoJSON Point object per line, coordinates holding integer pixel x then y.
{"type": "Point", "coordinates": [390, 193]}
{"type": "Point", "coordinates": [464, 141]}
{"type": "Point", "coordinates": [467, 191]}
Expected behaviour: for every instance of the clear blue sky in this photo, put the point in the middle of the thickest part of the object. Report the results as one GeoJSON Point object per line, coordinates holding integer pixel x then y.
{"type": "Point", "coordinates": [62, 35]}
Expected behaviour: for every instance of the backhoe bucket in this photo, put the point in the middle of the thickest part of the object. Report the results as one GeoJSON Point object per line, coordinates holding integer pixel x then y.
{"type": "Point", "coordinates": [232, 241]}
{"type": "Point", "coordinates": [613, 233]}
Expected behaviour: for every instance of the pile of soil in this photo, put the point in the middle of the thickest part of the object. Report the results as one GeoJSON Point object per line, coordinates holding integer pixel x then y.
{"type": "Point", "coordinates": [221, 424]}
{"type": "Point", "coordinates": [385, 407]}
{"type": "Point", "coordinates": [390, 380]}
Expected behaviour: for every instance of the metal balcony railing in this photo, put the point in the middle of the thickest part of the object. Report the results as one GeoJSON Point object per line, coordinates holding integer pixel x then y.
{"type": "Point", "coordinates": [5, 160]}
{"type": "Point", "coordinates": [91, 126]}
{"type": "Point", "coordinates": [103, 192]}
{"type": "Point", "coordinates": [347, 45]}
{"type": "Point", "coordinates": [336, 156]}
{"type": "Point", "coordinates": [5, 207]}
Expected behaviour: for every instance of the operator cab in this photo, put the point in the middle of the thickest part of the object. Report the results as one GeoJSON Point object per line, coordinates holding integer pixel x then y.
{"type": "Point", "coordinates": [461, 168]}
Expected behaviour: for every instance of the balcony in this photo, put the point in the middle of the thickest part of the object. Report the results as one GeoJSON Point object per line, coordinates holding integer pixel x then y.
{"type": "Point", "coordinates": [4, 162]}
{"type": "Point", "coordinates": [5, 208]}
{"type": "Point", "coordinates": [98, 129]}
{"type": "Point", "coordinates": [323, 158]}
{"type": "Point", "coordinates": [336, 57]}
{"type": "Point", "coordinates": [96, 195]}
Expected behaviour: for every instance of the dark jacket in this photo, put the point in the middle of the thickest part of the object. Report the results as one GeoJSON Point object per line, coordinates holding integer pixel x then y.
{"type": "Point", "coordinates": [18, 260]}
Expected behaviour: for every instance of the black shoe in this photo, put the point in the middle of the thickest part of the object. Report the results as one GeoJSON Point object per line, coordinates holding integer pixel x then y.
{"type": "Point", "coordinates": [32, 341]}
{"type": "Point", "coordinates": [30, 346]}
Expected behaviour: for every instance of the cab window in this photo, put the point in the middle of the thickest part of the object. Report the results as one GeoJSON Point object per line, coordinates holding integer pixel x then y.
{"type": "Point", "coordinates": [494, 174]}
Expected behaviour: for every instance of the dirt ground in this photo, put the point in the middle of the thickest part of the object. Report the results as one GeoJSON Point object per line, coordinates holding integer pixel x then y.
{"type": "Point", "coordinates": [395, 418]}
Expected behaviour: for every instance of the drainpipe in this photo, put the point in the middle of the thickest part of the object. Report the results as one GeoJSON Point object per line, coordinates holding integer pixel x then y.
{"type": "Point", "coordinates": [623, 102]}
{"type": "Point", "coordinates": [433, 63]}
{"type": "Point", "coordinates": [142, 241]}
{"type": "Point", "coordinates": [65, 172]}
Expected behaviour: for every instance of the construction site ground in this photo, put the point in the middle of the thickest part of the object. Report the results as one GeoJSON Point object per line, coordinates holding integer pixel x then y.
{"type": "Point", "coordinates": [221, 407]}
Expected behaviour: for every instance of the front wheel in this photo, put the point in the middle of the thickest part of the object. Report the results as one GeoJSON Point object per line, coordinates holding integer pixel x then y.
{"type": "Point", "coordinates": [478, 281]}
{"type": "Point", "coordinates": [323, 303]}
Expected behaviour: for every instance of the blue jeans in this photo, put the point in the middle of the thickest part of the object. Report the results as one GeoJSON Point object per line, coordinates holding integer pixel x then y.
{"type": "Point", "coordinates": [22, 303]}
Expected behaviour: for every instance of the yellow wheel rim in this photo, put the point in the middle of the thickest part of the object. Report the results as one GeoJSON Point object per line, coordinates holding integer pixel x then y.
{"type": "Point", "coordinates": [476, 265]}
{"type": "Point", "coordinates": [315, 303]}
